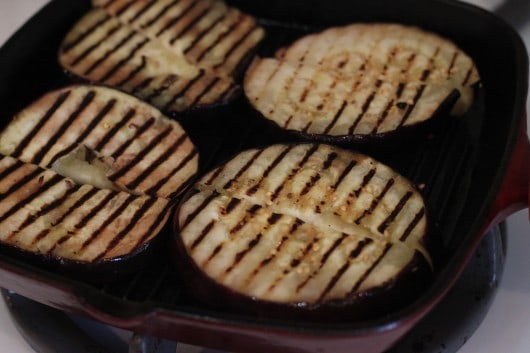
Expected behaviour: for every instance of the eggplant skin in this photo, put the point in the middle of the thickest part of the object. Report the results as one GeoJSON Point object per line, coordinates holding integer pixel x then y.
{"type": "Point", "coordinates": [303, 231]}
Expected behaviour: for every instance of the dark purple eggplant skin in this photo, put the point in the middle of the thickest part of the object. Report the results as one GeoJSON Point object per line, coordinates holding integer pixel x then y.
{"type": "Point", "coordinates": [390, 297]}
{"type": "Point", "coordinates": [99, 272]}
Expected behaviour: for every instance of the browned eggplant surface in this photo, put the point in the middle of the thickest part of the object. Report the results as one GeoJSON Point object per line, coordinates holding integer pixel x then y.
{"type": "Point", "coordinates": [303, 225]}
{"type": "Point", "coordinates": [176, 55]}
{"type": "Point", "coordinates": [361, 81]}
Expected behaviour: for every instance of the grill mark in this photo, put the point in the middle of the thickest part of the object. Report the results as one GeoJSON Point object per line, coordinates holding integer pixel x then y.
{"type": "Point", "coordinates": [353, 254]}
{"type": "Point", "coordinates": [383, 116]}
{"type": "Point", "coordinates": [242, 170]}
{"type": "Point", "coordinates": [27, 139]}
{"type": "Point", "coordinates": [370, 270]}
{"type": "Point", "coordinates": [11, 168]}
{"type": "Point", "coordinates": [271, 166]}
{"type": "Point", "coordinates": [125, 7]}
{"type": "Point", "coordinates": [366, 180]}
{"type": "Point", "coordinates": [164, 156]}
{"type": "Point", "coordinates": [183, 91]}
{"type": "Point", "coordinates": [20, 183]}
{"type": "Point", "coordinates": [21, 203]}
{"type": "Point", "coordinates": [205, 91]}
{"type": "Point", "coordinates": [159, 14]}
{"type": "Point", "coordinates": [156, 223]}
{"type": "Point", "coordinates": [108, 3]}
{"type": "Point", "coordinates": [468, 75]}
{"type": "Point", "coordinates": [295, 171]}
{"type": "Point", "coordinates": [130, 226]}
{"type": "Point", "coordinates": [202, 235]}
{"type": "Point", "coordinates": [231, 205]}
{"type": "Point", "coordinates": [95, 210]}
{"type": "Point", "coordinates": [139, 131]}
{"type": "Point", "coordinates": [138, 158]}
{"type": "Point", "coordinates": [249, 213]}
{"type": "Point", "coordinates": [182, 186]}
{"type": "Point", "coordinates": [309, 185]}
{"type": "Point", "coordinates": [140, 86]}
{"type": "Point", "coordinates": [241, 255]}
{"type": "Point", "coordinates": [229, 89]}
{"type": "Point", "coordinates": [174, 20]}
{"type": "Point", "coordinates": [336, 117]}
{"type": "Point", "coordinates": [203, 33]}
{"type": "Point", "coordinates": [384, 225]}
{"type": "Point", "coordinates": [115, 129]}
{"type": "Point", "coordinates": [69, 46]}
{"type": "Point", "coordinates": [87, 99]}
{"type": "Point", "coordinates": [142, 11]}
{"type": "Point", "coordinates": [108, 107]}
{"type": "Point", "coordinates": [365, 107]}
{"type": "Point", "coordinates": [190, 25]}
{"type": "Point", "coordinates": [323, 261]}
{"type": "Point", "coordinates": [452, 64]}
{"type": "Point", "coordinates": [305, 252]}
{"type": "Point", "coordinates": [413, 105]}
{"type": "Point", "coordinates": [376, 201]}
{"type": "Point", "coordinates": [345, 172]}
{"type": "Point", "coordinates": [134, 72]}
{"type": "Point", "coordinates": [164, 86]}
{"type": "Point", "coordinates": [109, 53]}
{"type": "Point", "coordinates": [412, 224]}
{"type": "Point", "coordinates": [94, 46]}
{"type": "Point", "coordinates": [220, 37]}
{"type": "Point", "coordinates": [214, 253]}
{"type": "Point", "coordinates": [199, 209]}
{"type": "Point", "coordinates": [120, 63]}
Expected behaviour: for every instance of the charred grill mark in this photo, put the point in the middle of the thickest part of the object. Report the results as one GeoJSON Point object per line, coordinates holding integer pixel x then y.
{"type": "Point", "coordinates": [274, 218]}
{"type": "Point", "coordinates": [11, 168]}
{"type": "Point", "coordinates": [156, 223]}
{"type": "Point", "coordinates": [241, 255]}
{"type": "Point", "coordinates": [412, 224]}
{"type": "Point", "coordinates": [214, 253]}
{"type": "Point", "coordinates": [177, 18]}
{"type": "Point", "coordinates": [27, 139]}
{"type": "Point", "coordinates": [401, 204]}
{"type": "Point", "coordinates": [199, 209]}
{"type": "Point", "coordinates": [249, 213]}
{"type": "Point", "coordinates": [201, 35]}
{"type": "Point", "coordinates": [123, 61]}
{"type": "Point", "coordinates": [305, 252]}
{"type": "Point", "coordinates": [231, 205]}
{"type": "Point", "coordinates": [205, 91]}
{"type": "Point", "coordinates": [309, 185]}
{"type": "Point", "coordinates": [164, 86]}
{"type": "Point", "coordinates": [117, 127]}
{"type": "Point", "coordinates": [124, 8]}
{"type": "Point", "coordinates": [370, 270]}
{"type": "Point", "coordinates": [323, 261]}
{"type": "Point", "coordinates": [376, 201]}
{"type": "Point", "coordinates": [202, 235]}
{"type": "Point", "coordinates": [365, 107]}
{"type": "Point", "coordinates": [36, 193]}
{"type": "Point", "coordinates": [69, 46]}
{"type": "Point", "coordinates": [345, 172]}
{"type": "Point", "coordinates": [353, 254]}
{"type": "Point", "coordinates": [294, 171]}
{"type": "Point", "coordinates": [20, 183]}
{"type": "Point", "coordinates": [139, 132]}
{"type": "Point", "coordinates": [452, 64]}
{"type": "Point", "coordinates": [215, 174]}
{"type": "Point", "coordinates": [132, 223]}
{"type": "Point", "coordinates": [140, 86]}
{"type": "Point", "coordinates": [366, 179]}
{"type": "Point", "coordinates": [336, 117]}
{"type": "Point", "coordinates": [383, 116]}
{"type": "Point", "coordinates": [468, 75]}
{"type": "Point", "coordinates": [159, 15]}
{"type": "Point", "coordinates": [87, 99]}
{"type": "Point", "coordinates": [142, 11]}
{"type": "Point", "coordinates": [134, 72]}
{"type": "Point", "coordinates": [95, 210]}
{"type": "Point", "coordinates": [190, 25]}
{"type": "Point", "coordinates": [108, 53]}
{"type": "Point", "coordinates": [138, 158]}
{"type": "Point", "coordinates": [156, 163]}
{"type": "Point", "coordinates": [267, 171]}
{"type": "Point", "coordinates": [236, 45]}
{"type": "Point", "coordinates": [220, 38]}
{"type": "Point", "coordinates": [183, 91]}
{"type": "Point", "coordinates": [95, 45]}
{"type": "Point", "coordinates": [411, 107]}
{"type": "Point", "coordinates": [241, 171]}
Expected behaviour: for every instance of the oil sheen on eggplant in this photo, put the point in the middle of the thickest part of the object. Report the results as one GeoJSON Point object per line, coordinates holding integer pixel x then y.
{"type": "Point", "coordinates": [303, 230]}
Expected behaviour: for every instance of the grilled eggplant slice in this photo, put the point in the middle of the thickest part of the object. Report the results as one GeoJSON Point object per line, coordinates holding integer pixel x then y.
{"type": "Point", "coordinates": [304, 229]}
{"type": "Point", "coordinates": [176, 55]}
{"type": "Point", "coordinates": [362, 81]}
{"type": "Point", "coordinates": [101, 136]}
{"type": "Point", "coordinates": [60, 223]}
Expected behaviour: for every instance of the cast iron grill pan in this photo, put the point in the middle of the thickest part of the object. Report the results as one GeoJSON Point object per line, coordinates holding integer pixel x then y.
{"type": "Point", "coordinates": [442, 163]}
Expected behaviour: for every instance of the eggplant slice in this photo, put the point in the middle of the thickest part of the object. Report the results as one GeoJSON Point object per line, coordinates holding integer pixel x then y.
{"type": "Point", "coordinates": [105, 138]}
{"type": "Point", "coordinates": [49, 215]}
{"type": "Point", "coordinates": [302, 226]}
{"type": "Point", "coordinates": [361, 81]}
{"type": "Point", "coordinates": [176, 55]}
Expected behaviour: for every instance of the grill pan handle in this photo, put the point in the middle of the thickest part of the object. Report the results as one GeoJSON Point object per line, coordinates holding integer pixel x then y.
{"type": "Point", "coordinates": [514, 193]}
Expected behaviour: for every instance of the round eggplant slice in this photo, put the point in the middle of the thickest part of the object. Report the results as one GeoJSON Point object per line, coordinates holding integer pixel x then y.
{"type": "Point", "coordinates": [63, 224]}
{"type": "Point", "coordinates": [309, 228]}
{"type": "Point", "coordinates": [175, 55]}
{"type": "Point", "coordinates": [362, 81]}
{"type": "Point", "coordinates": [100, 136]}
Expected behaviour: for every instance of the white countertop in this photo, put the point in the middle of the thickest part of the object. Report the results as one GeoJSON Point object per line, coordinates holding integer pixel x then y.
{"type": "Point", "coordinates": [507, 325]}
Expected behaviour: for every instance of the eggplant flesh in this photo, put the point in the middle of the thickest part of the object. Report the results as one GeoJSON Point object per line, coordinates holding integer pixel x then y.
{"type": "Point", "coordinates": [309, 227]}
{"type": "Point", "coordinates": [361, 81]}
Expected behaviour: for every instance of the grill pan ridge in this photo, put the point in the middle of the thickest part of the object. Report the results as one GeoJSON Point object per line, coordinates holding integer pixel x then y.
{"type": "Point", "coordinates": [443, 164]}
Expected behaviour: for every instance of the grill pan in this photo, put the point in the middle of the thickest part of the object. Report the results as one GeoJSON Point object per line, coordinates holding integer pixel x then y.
{"type": "Point", "coordinates": [475, 171]}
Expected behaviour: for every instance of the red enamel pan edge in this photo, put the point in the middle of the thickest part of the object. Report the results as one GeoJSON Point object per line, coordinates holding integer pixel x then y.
{"type": "Point", "coordinates": [238, 335]}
